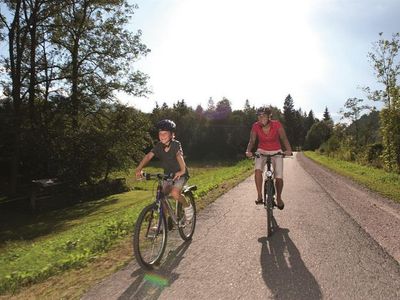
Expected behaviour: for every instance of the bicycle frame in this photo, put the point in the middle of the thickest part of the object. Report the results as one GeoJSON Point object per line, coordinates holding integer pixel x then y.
{"type": "Point", "coordinates": [268, 177]}
{"type": "Point", "coordinates": [269, 196]}
{"type": "Point", "coordinates": [162, 201]}
{"type": "Point", "coordinates": [152, 236]}
{"type": "Point", "coordinates": [268, 173]}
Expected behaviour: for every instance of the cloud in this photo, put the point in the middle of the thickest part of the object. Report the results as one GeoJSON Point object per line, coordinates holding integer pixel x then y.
{"type": "Point", "coordinates": [264, 50]}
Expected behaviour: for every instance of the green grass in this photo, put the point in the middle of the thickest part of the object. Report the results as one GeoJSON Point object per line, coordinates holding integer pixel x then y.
{"type": "Point", "coordinates": [39, 247]}
{"type": "Point", "coordinates": [387, 184]}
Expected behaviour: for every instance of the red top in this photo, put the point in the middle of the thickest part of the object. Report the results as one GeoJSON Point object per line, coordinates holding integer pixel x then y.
{"type": "Point", "coordinates": [268, 141]}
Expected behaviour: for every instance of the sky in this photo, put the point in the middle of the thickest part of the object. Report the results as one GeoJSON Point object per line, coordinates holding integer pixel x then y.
{"type": "Point", "coordinates": [260, 50]}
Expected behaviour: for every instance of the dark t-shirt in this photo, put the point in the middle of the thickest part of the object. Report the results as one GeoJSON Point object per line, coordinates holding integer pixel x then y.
{"type": "Point", "coordinates": [168, 158]}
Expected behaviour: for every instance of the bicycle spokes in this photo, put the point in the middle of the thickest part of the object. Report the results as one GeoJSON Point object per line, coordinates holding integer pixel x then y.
{"type": "Point", "coordinates": [150, 237]}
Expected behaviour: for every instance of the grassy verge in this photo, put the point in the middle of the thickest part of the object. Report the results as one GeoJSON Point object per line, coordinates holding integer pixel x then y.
{"type": "Point", "coordinates": [387, 184]}
{"type": "Point", "coordinates": [76, 239]}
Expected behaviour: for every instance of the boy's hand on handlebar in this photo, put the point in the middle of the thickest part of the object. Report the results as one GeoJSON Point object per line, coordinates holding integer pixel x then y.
{"type": "Point", "coordinates": [178, 175]}
{"type": "Point", "coordinates": [139, 174]}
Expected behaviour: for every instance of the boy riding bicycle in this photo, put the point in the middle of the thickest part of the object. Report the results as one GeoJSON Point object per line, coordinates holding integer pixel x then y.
{"type": "Point", "coordinates": [170, 153]}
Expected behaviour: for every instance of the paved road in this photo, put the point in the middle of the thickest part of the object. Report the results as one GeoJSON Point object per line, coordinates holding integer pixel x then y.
{"type": "Point", "coordinates": [319, 252]}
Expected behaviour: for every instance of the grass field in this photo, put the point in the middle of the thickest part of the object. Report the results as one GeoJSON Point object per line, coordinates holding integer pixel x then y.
{"type": "Point", "coordinates": [64, 243]}
{"type": "Point", "coordinates": [386, 184]}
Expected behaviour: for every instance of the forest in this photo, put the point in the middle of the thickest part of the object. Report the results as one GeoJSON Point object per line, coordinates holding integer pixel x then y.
{"type": "Point", "coordinates": [60, 117]}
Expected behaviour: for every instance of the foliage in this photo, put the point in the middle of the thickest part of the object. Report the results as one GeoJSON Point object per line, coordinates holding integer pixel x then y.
{"type": "Point", "coordinates": [385, 183]}
{"type": "Point", "coordinates": [318, 134]}
{"type": "Point", "coordinates": [353, 109]}
{"type": "Point", "coordinates": [66, 61]}
{"type": "Point", "coordinates": [390, 129]}
{"type": "Point", "coordinates": [87, 230]}
{"type": "Point", "coordinates": [371, 155]}
{"type": "Point", "coordinates": [386, 63]}
{"type": "Point", "coordinates": [327, 115]}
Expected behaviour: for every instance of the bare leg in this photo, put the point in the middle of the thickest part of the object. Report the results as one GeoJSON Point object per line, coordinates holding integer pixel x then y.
{"type": "Point", "coordinates": [279, 188]}
{"type": "Point", "coordinates": [258, 179]}
{"type": "Point", "coordinates": [176, 194]}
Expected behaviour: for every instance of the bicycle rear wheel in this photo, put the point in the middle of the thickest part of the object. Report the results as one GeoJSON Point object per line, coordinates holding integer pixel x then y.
{"type": "Point", "coordinates": [150, 237]}
{"type": "Point", "coordinates": [185, 228]}
{"type": "Point", "coordinates": [268, 195]}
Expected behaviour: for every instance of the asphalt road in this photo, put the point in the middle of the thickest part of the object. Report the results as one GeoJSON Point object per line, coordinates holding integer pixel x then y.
{"type": "Point", "coordinates": [335, 240]}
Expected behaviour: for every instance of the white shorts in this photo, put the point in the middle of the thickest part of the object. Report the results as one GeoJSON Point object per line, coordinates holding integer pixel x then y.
{"type": "Point", "coordinates": [277, 162]}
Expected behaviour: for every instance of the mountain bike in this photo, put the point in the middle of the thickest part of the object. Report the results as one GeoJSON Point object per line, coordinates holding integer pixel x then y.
{"type": "Point", "coordinates": [269, 191]}
{"type": "Point", "coordinates": [156, 219]}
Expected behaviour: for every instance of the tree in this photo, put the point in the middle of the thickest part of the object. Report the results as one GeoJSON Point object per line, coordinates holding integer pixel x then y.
{"type": "Point", "coordinates": [300, 135]}
{"type": "Point", "coordinates": [289, 116]}
{"type": "Point", "coordinates": [66, 58]}
{"type": "Point", "coordinates": [318, 134]}
{"type": "Point", "coordinates": [17, 39]}
{"type": "Point", "coordinates": [209, 112]}
{"type": "Point", "coordinates": [199, 110]}
{"type": "Point", "coordinates": [223, 109]}
{"type": "Point", "coordinates": [327, 115]}
{"type": "Point", "coordinates": [351, 111]}
{"type": "Point", "coordinates": [247, 108]}
{"type": "Point", "coordinates": [386, 63]}
{"type": "Point", "coordinates": [97, 52]}
{"type": "Point", "coordinates": [310, 120]}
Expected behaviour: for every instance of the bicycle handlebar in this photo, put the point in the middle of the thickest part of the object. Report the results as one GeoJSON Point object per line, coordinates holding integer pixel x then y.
{"type": "Point", "coordinates": [258, 154]}
{"type": "Point", "coordinates": [149, 176]}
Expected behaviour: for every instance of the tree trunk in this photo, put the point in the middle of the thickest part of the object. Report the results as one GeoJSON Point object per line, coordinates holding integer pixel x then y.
{"type": "Point", "coordinates": [32, 79]}
{"type": "Point", "coordinates": [15, 63]}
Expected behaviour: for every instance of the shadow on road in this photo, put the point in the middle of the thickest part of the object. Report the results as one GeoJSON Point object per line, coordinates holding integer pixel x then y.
{"type": "Point", "coordinates": [149, 285]}
{"type": "Point", "coordinates": [284, 271]}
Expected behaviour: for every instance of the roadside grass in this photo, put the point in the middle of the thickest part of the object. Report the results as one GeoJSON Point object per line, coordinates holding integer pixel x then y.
{"type": "Point", "coordinates": [386, 184]}
{"type": "Point", "coordinates": [64, 243]}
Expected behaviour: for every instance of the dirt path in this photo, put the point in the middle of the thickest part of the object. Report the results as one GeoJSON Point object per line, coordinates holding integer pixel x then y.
{"type": "Point", "coordinates": [319, 251]}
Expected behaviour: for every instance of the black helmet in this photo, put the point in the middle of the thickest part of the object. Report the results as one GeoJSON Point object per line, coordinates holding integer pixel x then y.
{"type": "Point", "coordinates": [166, 125]}
{"type": "Point", "coordinates": [264, 110]}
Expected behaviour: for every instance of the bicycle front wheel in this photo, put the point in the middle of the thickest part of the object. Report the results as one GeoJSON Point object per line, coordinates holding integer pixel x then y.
{"type": "Point", "coordinates": [150, 237]}
{"type": "Point", "coordinates": [269, 194]}
{"type": "Point", "coordinates": [186, 228]}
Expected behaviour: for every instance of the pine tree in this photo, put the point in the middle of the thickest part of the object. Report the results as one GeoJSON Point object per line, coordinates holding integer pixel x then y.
{"type": "Point", "coordinates": [327, 116]}
{"type": "Point", "coordinates": [290, 120]}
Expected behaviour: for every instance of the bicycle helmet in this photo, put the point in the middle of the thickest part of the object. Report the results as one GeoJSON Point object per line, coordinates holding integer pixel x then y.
{"type": "Point", "coordinates": [166, 125]}
{"type": "Point", "coordinates": [264, 110]}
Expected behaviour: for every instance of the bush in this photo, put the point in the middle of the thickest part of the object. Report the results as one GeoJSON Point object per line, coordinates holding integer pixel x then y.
{"type": "Point", "coordinates": [372, 155]}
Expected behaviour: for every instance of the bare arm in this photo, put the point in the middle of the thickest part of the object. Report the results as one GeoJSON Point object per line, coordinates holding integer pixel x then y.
{"type": "Point", "coordinates": [284, 139]}
{"type": "Point", "coordinates": [251, 144]}
{"type": "Point", "coordinates": [182, 165]}
{"type": "Point", "coordinates": [143, 163]}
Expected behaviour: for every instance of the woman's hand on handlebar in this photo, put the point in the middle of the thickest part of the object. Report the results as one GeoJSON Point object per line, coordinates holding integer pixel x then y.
{"type": "Point", "coordinates": [288, 153]}
{"type": "Point", "coordinates": [249, 154]}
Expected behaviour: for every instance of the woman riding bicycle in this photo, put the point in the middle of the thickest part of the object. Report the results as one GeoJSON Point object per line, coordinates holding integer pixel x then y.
{"type": "Point", "coordinates": [170, 153]}
{"type": "Point", "coordinates": [269, 134]}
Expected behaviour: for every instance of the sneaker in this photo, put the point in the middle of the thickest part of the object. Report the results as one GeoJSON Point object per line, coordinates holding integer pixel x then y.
{"type": "Point", "coordinates": [259, 201]}
{"type": "Point", "coordinates": [189, 213]}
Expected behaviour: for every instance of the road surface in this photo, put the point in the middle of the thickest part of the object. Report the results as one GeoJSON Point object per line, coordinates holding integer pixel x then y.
{"type": "Point", "coordinates": [335, 240]}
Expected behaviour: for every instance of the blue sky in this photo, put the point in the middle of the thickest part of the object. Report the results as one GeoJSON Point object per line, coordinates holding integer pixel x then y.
{"type": "Point", "coordinates": [260, 50]}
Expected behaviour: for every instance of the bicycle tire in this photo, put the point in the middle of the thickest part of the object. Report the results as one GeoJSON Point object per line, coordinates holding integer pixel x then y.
{"type": "Point", "coordinates": [187, 232]}
{"type": "Point", "coordinates": [268, 200]}
{"type": "Point", "coordinates": [143, 240]}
